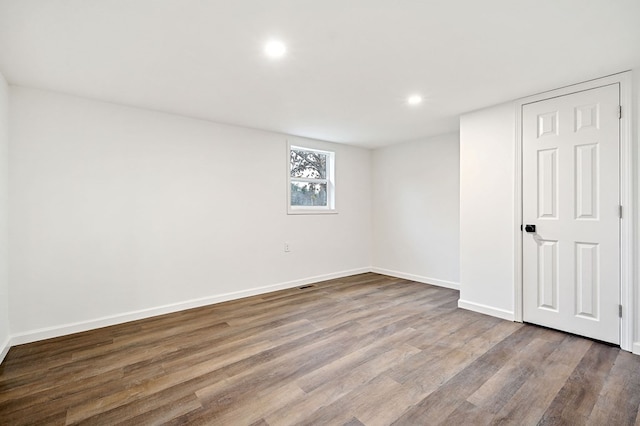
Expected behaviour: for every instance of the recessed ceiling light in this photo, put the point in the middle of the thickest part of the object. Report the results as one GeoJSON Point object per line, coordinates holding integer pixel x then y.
{"type": "Point", "coordinates": [414, 99]}
{"type": "Point", "coordinates": [275, 49]}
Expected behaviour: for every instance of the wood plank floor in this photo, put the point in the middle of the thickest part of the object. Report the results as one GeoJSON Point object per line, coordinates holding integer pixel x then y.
{"type": "Point", "coordinates": [367, 349]}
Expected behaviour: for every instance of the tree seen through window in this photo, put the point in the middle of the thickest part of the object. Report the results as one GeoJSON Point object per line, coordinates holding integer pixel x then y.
{"type": "Point", "coordinates": [309, 183]}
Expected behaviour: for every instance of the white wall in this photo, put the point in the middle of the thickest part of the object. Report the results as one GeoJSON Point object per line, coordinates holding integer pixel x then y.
{"type": "Point", "coordinates": [116, 210]}
{"type": "Point", "coordinates": [415, 210]}
{"type": "Point", "coordinates": [487, 229]}
{"type": "Point", "coordinates": [4, 286]}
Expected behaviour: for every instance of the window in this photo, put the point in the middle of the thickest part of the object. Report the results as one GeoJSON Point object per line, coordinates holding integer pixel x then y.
{"type": "Point", "coordinates": [311, 187]}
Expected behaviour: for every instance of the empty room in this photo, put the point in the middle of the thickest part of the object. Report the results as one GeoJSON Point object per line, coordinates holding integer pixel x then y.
{"type": "Point", "coordinates": [297, 212]}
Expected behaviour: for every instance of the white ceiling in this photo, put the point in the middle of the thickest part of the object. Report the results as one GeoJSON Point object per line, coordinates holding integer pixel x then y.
{"type": "Point", "coordinates": [350, 63]}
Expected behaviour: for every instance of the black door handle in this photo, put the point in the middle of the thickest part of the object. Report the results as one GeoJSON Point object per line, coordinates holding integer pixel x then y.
{"type": "Point", "coordinates": [530, 228]}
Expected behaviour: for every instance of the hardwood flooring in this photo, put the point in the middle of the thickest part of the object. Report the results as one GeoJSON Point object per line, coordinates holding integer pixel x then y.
{"type": "Point", "coordinates": [363, 350]}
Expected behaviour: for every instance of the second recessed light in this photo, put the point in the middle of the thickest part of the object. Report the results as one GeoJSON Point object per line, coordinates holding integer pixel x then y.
{"type": "Point", "coordinates": [414, 99]}
{"type": "Point", "coordinates": [275, 49]}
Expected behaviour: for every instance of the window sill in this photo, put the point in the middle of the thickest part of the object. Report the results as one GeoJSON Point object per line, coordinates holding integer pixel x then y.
{"type": "Point", "coordinates": [311, 211]}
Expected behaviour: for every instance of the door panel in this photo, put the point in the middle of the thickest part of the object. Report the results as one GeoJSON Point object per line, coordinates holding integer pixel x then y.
{"type": "Point", "coordinates": [587, 181]}
{"type": "Point", "coordinates": [571, 193]}
{"type": "Point", "coordinates": [587, 280]}
{"type": "Point", "coordinates": [548, 275]}
{"type": "Point", "coordinates": [548, 183]}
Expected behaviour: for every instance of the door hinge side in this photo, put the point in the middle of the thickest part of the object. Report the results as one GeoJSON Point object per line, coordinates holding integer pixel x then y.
{"type": "Point", "coordinates": [619, 112]}
{"type": "Point", "coordinates": [619, 311]}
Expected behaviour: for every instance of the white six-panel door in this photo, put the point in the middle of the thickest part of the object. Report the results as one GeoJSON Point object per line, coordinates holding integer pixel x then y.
{"type": "Point", "coordinates": [571, 263]}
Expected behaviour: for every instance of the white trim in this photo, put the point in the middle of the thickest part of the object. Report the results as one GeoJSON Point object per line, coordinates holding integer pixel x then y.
{"type": "Point", "coordinates": [417, 278]}
{"type": "Point", "coordinates": [4, 349]}
{"type": "Point", "coordinates": [627, 200]}
{"type": "Point", "coordinates": [311, 210]}
{"type": "Point", "coordinates": [487, 310]}
{"type": "Point", "coordinates": [62, 330]}
{"type": "Point", "coordinates": [626, 195]}
{"type": "Point", "coordinates": [636, 348]}
{"type": "Point", "coordinates": [517, 193]}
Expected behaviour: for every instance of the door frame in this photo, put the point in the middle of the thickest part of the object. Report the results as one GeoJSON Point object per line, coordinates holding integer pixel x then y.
{"type": "Point", "coordinates": [624, 79]}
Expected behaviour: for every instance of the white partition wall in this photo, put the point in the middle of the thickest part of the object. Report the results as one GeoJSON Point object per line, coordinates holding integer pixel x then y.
{"type": "Point", "coordinates": [489, 277]}
{"type": "Point", "coordinates": [487, 228]}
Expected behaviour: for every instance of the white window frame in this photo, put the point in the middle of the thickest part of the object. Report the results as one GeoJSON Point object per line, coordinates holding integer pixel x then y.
{"type": "Point", "coordinates": [330, 208]}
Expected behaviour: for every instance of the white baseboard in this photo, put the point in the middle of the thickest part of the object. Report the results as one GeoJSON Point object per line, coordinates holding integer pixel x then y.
{"type": "Point", "coordinates": [77, 327]}
{"type": "Point", "coordinates": [636, 348]}
{"type": "Point", "coordinates": [487, 310]}
{"type": "Point", "coordinates": [418, 278]}
{"type": "Point", "coordinates": [4, 349]}
{"type": "Point", "coordinates": [62, 330]}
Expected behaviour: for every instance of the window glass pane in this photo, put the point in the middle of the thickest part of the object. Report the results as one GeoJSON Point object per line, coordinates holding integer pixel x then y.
{"type": "Point", "coordinates": [308, 164]}
{"type": "Point", "coordinates": [308, 194]}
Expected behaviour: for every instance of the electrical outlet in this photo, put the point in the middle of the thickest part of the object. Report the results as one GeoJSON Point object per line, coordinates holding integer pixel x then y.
{"type": "Point", "coordinates": [287, 249]}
